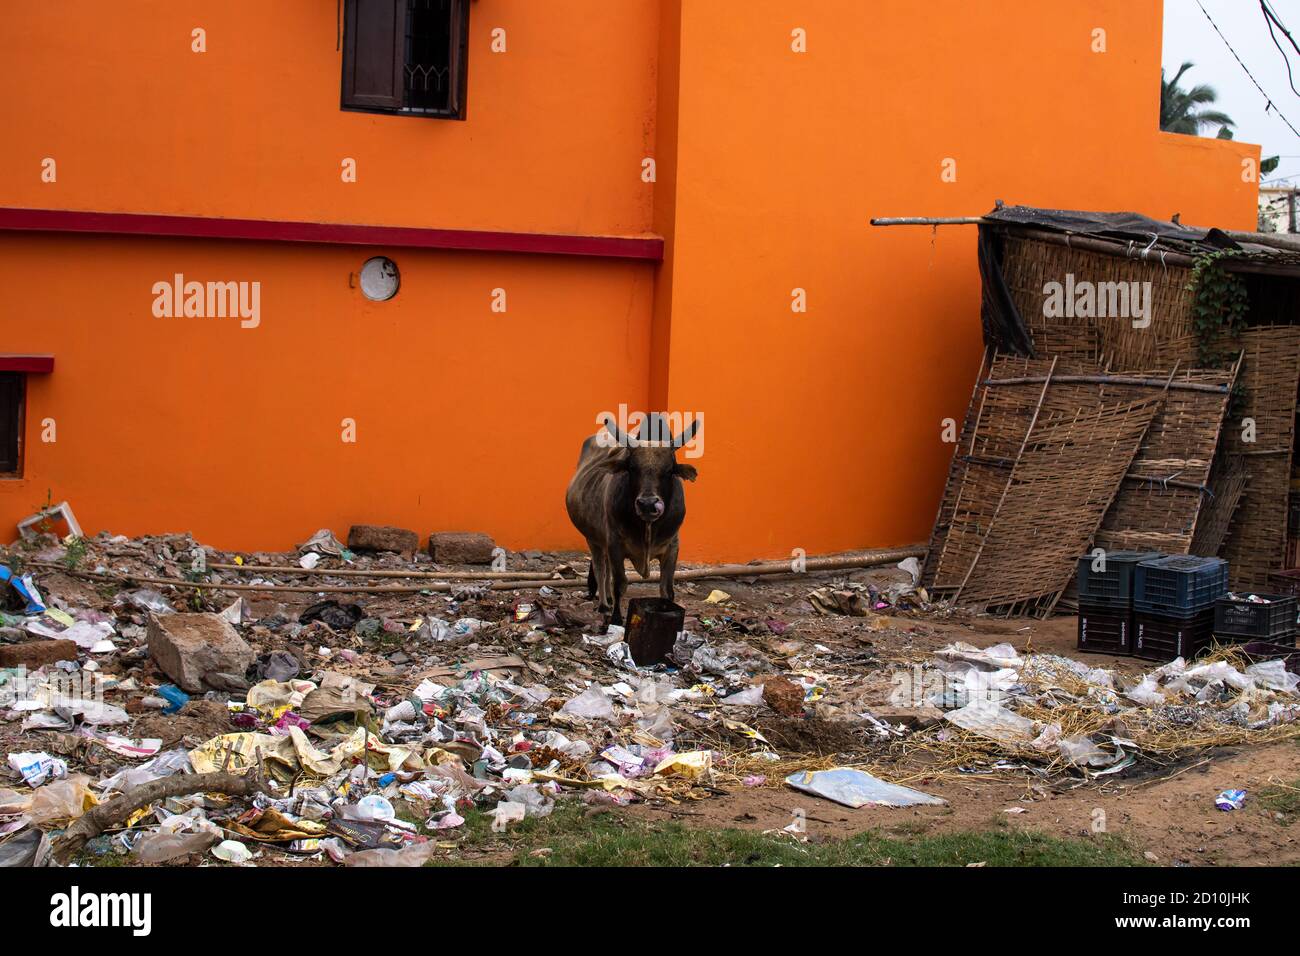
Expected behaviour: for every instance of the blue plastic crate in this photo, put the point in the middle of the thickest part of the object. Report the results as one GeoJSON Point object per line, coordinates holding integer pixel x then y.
{"type": "Point", "coordinates": [1114, 586]}
{"type": "Point", "coordinates": [1179, 584]}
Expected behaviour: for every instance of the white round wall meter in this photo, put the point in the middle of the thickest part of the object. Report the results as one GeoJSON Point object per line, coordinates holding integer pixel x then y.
{"type": "Point", "coordinates": [380, 279]}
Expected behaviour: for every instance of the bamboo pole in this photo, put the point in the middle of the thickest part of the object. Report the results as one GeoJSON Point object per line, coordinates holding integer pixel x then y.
{"type": "Point", "coordinates": [386, 573]}
{"type": "Point", "coordinates": [828, 563]}
{"type": "Point", "coordinates": [927, 221]}
{"type": "Point", "coordinates": [1111, 380]}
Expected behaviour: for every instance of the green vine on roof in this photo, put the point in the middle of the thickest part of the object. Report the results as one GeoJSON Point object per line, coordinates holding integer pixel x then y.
{"type": "Point", "coordinates": [1219, 307]}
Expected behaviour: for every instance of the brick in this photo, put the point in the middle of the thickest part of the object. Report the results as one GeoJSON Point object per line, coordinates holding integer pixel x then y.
{"type": "Point", "coordinates": [461, 547]}
{"type": "Point", "coordinates": [784, 696]}
{"type": "Point", "coordinates": [374, 537]}
{"type": "Point", "coordinates": [186, 647]}
{"type": "Point", "coordinates": [34, 654]}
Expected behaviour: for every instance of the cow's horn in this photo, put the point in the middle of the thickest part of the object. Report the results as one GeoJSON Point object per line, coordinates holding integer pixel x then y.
{"type": "Point", "coordinates": [612, 427]}
{"type": "Point", "coordinates": [688, 434]}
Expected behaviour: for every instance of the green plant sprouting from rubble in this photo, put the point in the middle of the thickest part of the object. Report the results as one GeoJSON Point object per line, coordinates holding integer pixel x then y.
{"type": "Point", "coordinates": [1220, 304]}
{"type": "Point", "coordinates": [74, 552]}
{"type": "Point", "coordinates": [46, 511]}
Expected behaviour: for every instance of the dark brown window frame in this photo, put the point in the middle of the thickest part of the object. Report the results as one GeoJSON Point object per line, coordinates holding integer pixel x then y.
{"type": "Point", "coordinates": [20, 386]}
{"type": "Point", "coordinates": [352, 101]}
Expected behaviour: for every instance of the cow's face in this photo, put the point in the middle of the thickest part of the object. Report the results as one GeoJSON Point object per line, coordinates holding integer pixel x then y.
{"type": "Point", "coordinates": [650, 471]}
{"type": "Point", "coordinates": [651, 467]}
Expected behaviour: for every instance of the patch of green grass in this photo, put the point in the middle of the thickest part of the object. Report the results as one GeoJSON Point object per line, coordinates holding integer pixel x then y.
{"type": "Point", "coordinates": [1283, 799]}
{"type": "Point", "coordinates": [571, 838]}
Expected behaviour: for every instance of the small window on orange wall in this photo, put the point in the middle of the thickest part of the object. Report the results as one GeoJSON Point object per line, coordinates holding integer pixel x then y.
{"type": "Point", "coordinates": [407, 57]}
{"type": "Point", "coordinates": [13, 387]}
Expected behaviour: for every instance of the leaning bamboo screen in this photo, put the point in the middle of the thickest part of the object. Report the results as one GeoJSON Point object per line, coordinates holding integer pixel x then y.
{"type": "Point", "coordinates": [1062, 482]}
{"type": "Point", "coordinates": [985, 500]}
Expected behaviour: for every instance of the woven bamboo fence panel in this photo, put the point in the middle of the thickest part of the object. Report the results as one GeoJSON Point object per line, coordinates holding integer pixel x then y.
{"type": "Point", "coordinates": [1270, 374]}
{"type": "Point", "coordinates": [1029, 265]}
{"type": "Point", "coordinates": [1061, 485]}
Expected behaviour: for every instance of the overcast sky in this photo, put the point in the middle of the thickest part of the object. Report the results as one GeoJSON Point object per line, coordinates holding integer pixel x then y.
{"type": "Point", "coordinates": [1189, 36]}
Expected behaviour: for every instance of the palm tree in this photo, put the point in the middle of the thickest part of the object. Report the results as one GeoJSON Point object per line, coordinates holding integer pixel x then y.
{"type": "Point", "coordinates": [1180, 109]}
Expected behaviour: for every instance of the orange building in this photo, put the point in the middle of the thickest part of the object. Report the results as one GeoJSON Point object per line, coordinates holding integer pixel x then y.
{"type": "Point", "coordinates": [582, 203]}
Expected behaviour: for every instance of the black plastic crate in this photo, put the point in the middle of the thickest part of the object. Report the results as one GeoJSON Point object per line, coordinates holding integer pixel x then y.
{"type": "Point", "coordinates": [1114, 586]}
{"type": "Point", "coordinates": [1162, 637]}
{"type": "Point", "coordinates": [1259, 651]}
{"type": "Point", "coordinates": [1285, 582]}
{"type": "Point", "coordinates": [1238, 619]}
{"type": "Point", "coordinates": [1179, 584]}
{"type": "Point", "coordinates": [1104, 629]}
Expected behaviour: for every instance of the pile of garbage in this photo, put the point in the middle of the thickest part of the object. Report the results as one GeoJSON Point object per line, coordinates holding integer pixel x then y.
{"type": "Point", "coordinates": [372, 732]}
{"type": "Point", "coordinates": [1048, 712]}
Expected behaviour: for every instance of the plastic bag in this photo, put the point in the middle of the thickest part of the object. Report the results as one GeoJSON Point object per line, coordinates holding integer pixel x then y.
{"type": "Point", "coordinates": [62, 800]}
{"type": "Point", "coordinates": [1147, 693]}
{"type": "Point", "coordinates": [159, 846]}
{"type": "Point", "coordinates": [163, 765]}
{"type": "Point", "coordinates": [535, 802]}
{"type": "Point", "coordinates": [417, 854]}
{"type": "Point", "coordinates": [989, 719]}
{"type": "Point", "coordinates": [1081, 751]}
{"type": "Point", "coordinates": [857, 788]}
{"type": "Point", "coordinates": [591, 703]}
{"type": "Point", "coordinates": [750, 696]}
{"type": "Point", "coordinates": [1273, 675]}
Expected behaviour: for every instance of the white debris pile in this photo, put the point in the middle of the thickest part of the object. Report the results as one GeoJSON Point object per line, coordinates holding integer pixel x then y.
{"type": "Point", "coordinates": [1024, 701]}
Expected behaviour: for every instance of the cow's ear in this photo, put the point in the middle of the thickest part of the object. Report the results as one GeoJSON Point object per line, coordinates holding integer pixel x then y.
{"type": "Point", "coordinates": [685, 471]}
{"type": "Point", "coordinates": [619, 463]}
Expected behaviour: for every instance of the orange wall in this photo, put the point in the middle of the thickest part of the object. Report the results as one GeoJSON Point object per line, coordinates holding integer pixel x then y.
{"type": "Point", "coordinates": [557, 125]}
{"type": "Point", "coordinates": [466, 419]}
{"type": "Point", "coordinates": [823, 429]}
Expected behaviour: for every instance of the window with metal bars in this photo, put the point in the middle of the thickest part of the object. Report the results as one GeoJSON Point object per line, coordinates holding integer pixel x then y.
{"type": "Point", "coordinates": [406, 56]}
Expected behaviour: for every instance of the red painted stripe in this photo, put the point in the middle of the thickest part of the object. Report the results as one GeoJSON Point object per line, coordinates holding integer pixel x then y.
{"type": "Point", "coordinates": [38, 364]}
{"type": "Point", "coordinates": [271, 230]}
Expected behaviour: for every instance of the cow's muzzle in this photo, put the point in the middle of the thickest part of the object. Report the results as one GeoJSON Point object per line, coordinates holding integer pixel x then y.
{"type": "Point", "coordinates": [649, 508]}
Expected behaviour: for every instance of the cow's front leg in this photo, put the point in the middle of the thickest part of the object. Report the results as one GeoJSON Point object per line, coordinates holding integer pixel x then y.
{"type": "Point", "coordinates": [600, 572]}
{"type": "Point", "coordinates": [618, 580]}
{"type": "Point", "coordinates": [668, 568]}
